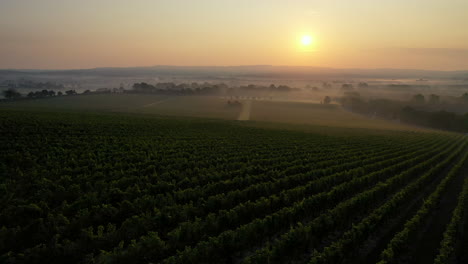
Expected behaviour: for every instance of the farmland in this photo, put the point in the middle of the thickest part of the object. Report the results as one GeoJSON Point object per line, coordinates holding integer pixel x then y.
{"type": "Point", "coordinates": [213, 107]}
{"type": "Point", "coordinates": [233, 132]}
{"type": "Point", "coordinates": [101, 187]}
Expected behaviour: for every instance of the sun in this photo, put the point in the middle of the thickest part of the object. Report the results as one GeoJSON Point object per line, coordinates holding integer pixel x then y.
{"type": "Point", "coordinates": [306, 40]}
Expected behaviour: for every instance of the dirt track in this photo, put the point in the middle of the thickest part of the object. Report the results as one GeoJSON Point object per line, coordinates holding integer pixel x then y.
{"type": "Point", "coordinates": [245, 112]}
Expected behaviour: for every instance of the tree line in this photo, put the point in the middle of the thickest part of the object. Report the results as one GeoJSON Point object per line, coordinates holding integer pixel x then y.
{"type": "Point", "coordinates": [14, 94]}
{"type": "Point", "coordinates": [414, 111]}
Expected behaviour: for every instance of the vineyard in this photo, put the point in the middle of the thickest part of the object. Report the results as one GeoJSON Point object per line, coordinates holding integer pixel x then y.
{"type": "Point", "coordinates": [132, 188]}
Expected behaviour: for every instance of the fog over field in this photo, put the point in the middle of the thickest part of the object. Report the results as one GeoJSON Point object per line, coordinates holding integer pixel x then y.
{"type": "Point", "coordinates": [233, 132]}
{"type": "Point", "coordinates": [231, 89]}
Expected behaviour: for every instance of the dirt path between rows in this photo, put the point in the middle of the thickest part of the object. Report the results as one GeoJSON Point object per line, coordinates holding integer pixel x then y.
{"type": "Point", "coordinates": [461, 254]}
{"type": "Point", "coordinates": [245, 112]}
{"type": "Point", "coordinates": [156, 103]}
{"type": "Point", "coordinates": [426, 248]}
{"type": "Point", "coordinates": [373, 247]}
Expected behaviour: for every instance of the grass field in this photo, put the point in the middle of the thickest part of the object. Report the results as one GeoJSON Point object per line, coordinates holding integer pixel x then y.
{"type": "Point", "coordinates": [315, 114]}
{"type": "Point", "coordinates": [297, 113]}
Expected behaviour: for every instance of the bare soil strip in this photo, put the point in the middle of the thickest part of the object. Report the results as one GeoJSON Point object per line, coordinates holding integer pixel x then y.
{"type": "Point", "coordinates": [431, 234]}
{"type": "Point", "coordinates": [462, 241]}
{"type": "Point", "coordinates": [245, 112]}
{"type": "Point", "coordinates": [156, 103]}
{"type": "Point", "coordinates": [377, 242]}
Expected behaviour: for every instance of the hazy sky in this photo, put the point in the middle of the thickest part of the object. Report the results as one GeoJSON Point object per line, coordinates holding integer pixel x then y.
{"type": "Point", "coordinates": [55, 34]}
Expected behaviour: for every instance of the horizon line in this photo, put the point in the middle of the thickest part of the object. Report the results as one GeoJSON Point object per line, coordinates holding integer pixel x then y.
{"type": "Point", "coordinates": [227, 66]}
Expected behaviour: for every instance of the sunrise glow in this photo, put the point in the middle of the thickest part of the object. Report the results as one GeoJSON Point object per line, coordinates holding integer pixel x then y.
{"type": "Point", "coordinates": [306, 40]}
{"type": "Point", "coordinates": [339, 34]}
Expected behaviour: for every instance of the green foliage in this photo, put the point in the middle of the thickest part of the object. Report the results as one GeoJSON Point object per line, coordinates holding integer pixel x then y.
{"type": "Point", "coordinates": [447, 250]}
{"type": "Point", "coordinates": [107, 188]}
{"type": "Point", "coordinates": [396, 245]}
{"type": "Point", "coordinates": [11, 94]}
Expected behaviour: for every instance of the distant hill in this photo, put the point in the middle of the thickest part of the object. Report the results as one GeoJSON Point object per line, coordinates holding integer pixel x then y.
{"type": "Point", "coordinates": [262, 71]}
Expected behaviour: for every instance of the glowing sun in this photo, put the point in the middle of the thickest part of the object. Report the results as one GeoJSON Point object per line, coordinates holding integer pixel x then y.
{"type": "Point", "coordinates": [306, 40]}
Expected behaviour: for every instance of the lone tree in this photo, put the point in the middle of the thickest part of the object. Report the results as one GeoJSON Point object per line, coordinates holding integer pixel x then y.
{"type": "Point", "coordinates": [347, 87]}
{"type": "Point", "coordinates": [434, 99]}
{"type": "Point", "coordinates": [363, 85]}
{"type": "Point", "coordinates": [70, 92]}
{"type": "Point", "coordinates": [11, 94]}
{"type": "Point", "coordinates": [418, 99]}
{"type": "Point", "coordinates": [464, 97]}
{"type": "Point", "coordinates": [327, 100]}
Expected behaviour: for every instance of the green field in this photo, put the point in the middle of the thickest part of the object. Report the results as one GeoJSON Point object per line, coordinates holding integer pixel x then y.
{"type": "Point", "coordinates": [279, 112]}
{"type": "Point", "coordinates": [315, 114]}
{"type": "Point", "coordinates": [194, 106]}
{"type": "Point", "coordinates": [101, 187]}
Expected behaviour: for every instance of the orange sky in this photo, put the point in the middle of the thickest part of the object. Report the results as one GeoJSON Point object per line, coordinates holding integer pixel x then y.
{"type": "Point", "coordinates": [57, 34]}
